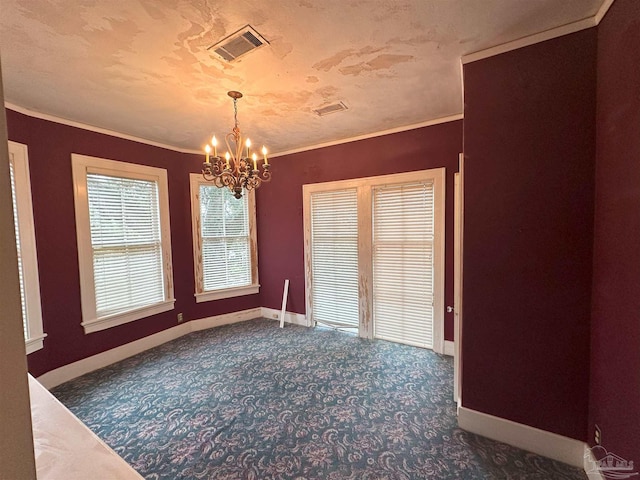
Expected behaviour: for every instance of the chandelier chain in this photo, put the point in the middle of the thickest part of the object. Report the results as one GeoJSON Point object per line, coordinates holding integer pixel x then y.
{"type": "Point", "coordinates": [235, 111]}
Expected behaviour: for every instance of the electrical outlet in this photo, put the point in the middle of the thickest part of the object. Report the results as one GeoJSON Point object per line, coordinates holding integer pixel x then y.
{"type": "Point", "coordinates": [597, 436]}
{"type": "Point", "coordinates": [275, 316]}
{"type": "Point", "coordinates": [180, 317]}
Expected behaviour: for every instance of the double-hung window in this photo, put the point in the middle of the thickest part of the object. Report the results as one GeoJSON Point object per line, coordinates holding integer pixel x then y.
{"type": "Point", "coordinates": [224, 242]}
{"type": "Point", "coordinates": [26, 246]}
{"type": "Point", "coordinates": [124, 244]}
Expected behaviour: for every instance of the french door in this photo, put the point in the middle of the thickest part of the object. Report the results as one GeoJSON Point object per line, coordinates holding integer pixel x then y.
{"type": "Point", "coordinates": [374, 256]}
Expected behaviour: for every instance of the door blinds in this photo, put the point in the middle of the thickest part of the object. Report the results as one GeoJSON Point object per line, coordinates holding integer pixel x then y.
{"type": "Point", "coordinates": [403, 245]}
{"type": "Point", "coordinates": [126, 244]}
{"type": "Point", "coordinates": [226, 252]}
{"type": "Point", "coordinates": [334, 239]}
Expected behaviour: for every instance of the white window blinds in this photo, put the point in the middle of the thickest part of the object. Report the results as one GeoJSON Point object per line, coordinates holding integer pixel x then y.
{"type": "Point", "coordinates": [23, 299]}
{"type": "Point", "coordinates": [126, 243]}
{"type": "Point", "coordinates": [226, 246]}
{"type": "Point", "coordinates": [334, 237]}
{"type": "Point", "coordinates": [403, 268]}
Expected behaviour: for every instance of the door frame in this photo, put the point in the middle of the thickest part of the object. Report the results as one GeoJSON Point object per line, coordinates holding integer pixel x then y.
{"type": "Point", "coordinates": [458, 238]}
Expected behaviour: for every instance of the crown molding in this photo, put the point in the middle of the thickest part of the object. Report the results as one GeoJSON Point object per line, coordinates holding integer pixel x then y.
{"type": "Point", "coordinates": [72, 123]}
{"type": "Point", "coordinates": [567, 29]}
{"type": "Point", "coordinates": [91, 128]}
{"type": "Point", "coordinates": [428, 123]}
{"type": "Point", "coordinates": [530, 40]}
{"type": "Point", "coordinates": [604, 8]}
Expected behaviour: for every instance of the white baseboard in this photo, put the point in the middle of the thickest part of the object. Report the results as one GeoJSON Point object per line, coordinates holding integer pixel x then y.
{"type": "Point", "coordinates": [590, 463]}
{"type": "Point", "coordinates": [73, 370]}
{"type": "Point", "coordinates": [449, 348]}
{"type": "Point", "coordinates": [547, 444]}
{"type": "Point", "coordinates": [76, 369]}
{"type": "Point", "coordinates": [290, 317]}
{"type": "Point", "coordinates": [225, 319]}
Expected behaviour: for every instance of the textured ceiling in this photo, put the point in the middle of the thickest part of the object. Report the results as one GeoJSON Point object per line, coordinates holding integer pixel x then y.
{"type": "Point", "coordinates": [141, 67]}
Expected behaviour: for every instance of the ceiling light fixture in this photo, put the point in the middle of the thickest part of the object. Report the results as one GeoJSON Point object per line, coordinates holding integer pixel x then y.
{"type": "Point", "coordinates": [235, 172]}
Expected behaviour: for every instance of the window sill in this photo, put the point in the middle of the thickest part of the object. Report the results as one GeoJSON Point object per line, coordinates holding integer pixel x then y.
{"type": "Point", "coordinates": [97, 324]}
{"type": "Point", "coordinates": [227, 293]}
{"type": "Point", "coordinates": [35, 343]}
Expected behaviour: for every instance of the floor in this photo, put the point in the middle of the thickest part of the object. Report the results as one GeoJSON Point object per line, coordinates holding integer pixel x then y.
{"type": "Point", "coordinates": [253, 401]}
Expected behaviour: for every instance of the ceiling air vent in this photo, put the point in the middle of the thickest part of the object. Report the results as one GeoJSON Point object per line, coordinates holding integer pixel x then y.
{"type": "Point", "coordinates": [238, 44]}
{"type": "Point", "coordinates": [333, 108]}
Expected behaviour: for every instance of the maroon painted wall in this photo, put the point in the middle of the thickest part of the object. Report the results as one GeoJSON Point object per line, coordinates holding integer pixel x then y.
{"type": "Point", "coordinates": [529, 145]}
{"type": "Point", "coordinates": [615, 349]}
{"type": "Point", "coordinates": [50, 146]}
{"type": "Point", "coordinates": [279, 204]}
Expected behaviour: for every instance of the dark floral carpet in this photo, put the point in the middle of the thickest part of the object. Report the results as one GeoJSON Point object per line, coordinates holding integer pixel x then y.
{"type": "Point", "coordinates": [253, 401]}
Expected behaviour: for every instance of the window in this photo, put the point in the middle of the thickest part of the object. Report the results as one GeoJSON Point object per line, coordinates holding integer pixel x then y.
{"type": "Point", "coordinates": [224, 242]}
{"type": "Point", "coordinates": [26, 245]}
{"type": "Point", "coordinates": [124, 243]}
{"type": "Point", "coordinates": [374, 256]}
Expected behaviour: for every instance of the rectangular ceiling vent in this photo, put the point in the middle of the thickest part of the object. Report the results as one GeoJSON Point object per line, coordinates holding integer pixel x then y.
{"type": "Point", "coordinates": [328, 109]}
{"type": "Point", "coordinates": [238, 44]}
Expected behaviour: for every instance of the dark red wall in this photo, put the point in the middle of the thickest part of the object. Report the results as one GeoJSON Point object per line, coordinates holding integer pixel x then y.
{"type": "Point", "coordinates": [615, 354]}
{"type": "Point", "coordinates": [279, 203]}
{"type": "Point", "coordinates": [50, 147]}
{"type": "Point", "coordinates": [529, 145]}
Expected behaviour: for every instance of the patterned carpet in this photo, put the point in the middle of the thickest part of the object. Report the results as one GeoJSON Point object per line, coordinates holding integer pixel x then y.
{"type": "Point", "coordinates": [253, 401]}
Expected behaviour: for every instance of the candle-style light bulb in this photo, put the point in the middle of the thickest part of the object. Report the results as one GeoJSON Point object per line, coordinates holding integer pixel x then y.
{"type": "Point", "coordinates": [227, 156]}
{"type": "Point", "coordinates": [214, 142]}
{"type": "Point", "coordinates": [248, 144]}
{"type": "Point", "coordinates": [255, 162]}
{"type": "Point", "coordinates": [207, 149]}
{"type": "Point", "coordinates": [264, 155]}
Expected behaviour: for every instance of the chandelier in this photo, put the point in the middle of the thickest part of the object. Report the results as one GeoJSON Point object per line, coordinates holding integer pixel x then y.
{"type": "Point", "coordinates": [235, 171]}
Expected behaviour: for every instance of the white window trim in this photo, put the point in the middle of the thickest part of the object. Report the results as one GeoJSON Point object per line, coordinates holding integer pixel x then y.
{"type": "Point", "coordinates": [19, 156]}
{"type": "Point", "coordinates": [365, 248]}
{"type": "Point", "coordinates": [195, 180]}
{"type": "Point", "coordinates": [81, 165]}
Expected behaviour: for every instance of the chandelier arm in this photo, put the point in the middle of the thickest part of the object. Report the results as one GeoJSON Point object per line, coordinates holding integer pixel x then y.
{"type": "Point", "coordinates": [233, 138]}
{"type": "Point", "coordinates": [253, 183]}
{"type": "Point", "coordinates": [227, 179]}
{"type": "Point", "coordinates": [265, 176]}
{"type": "Point", "coordinates": [218, 167]}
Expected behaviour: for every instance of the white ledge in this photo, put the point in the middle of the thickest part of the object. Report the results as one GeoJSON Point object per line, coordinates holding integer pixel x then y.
{"type": "Point", "coordinates": [35, 343]}
{"type": "Point", "coordinates": [227, 293]}
{"type": "Point", "coordinates": [95, 325]}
